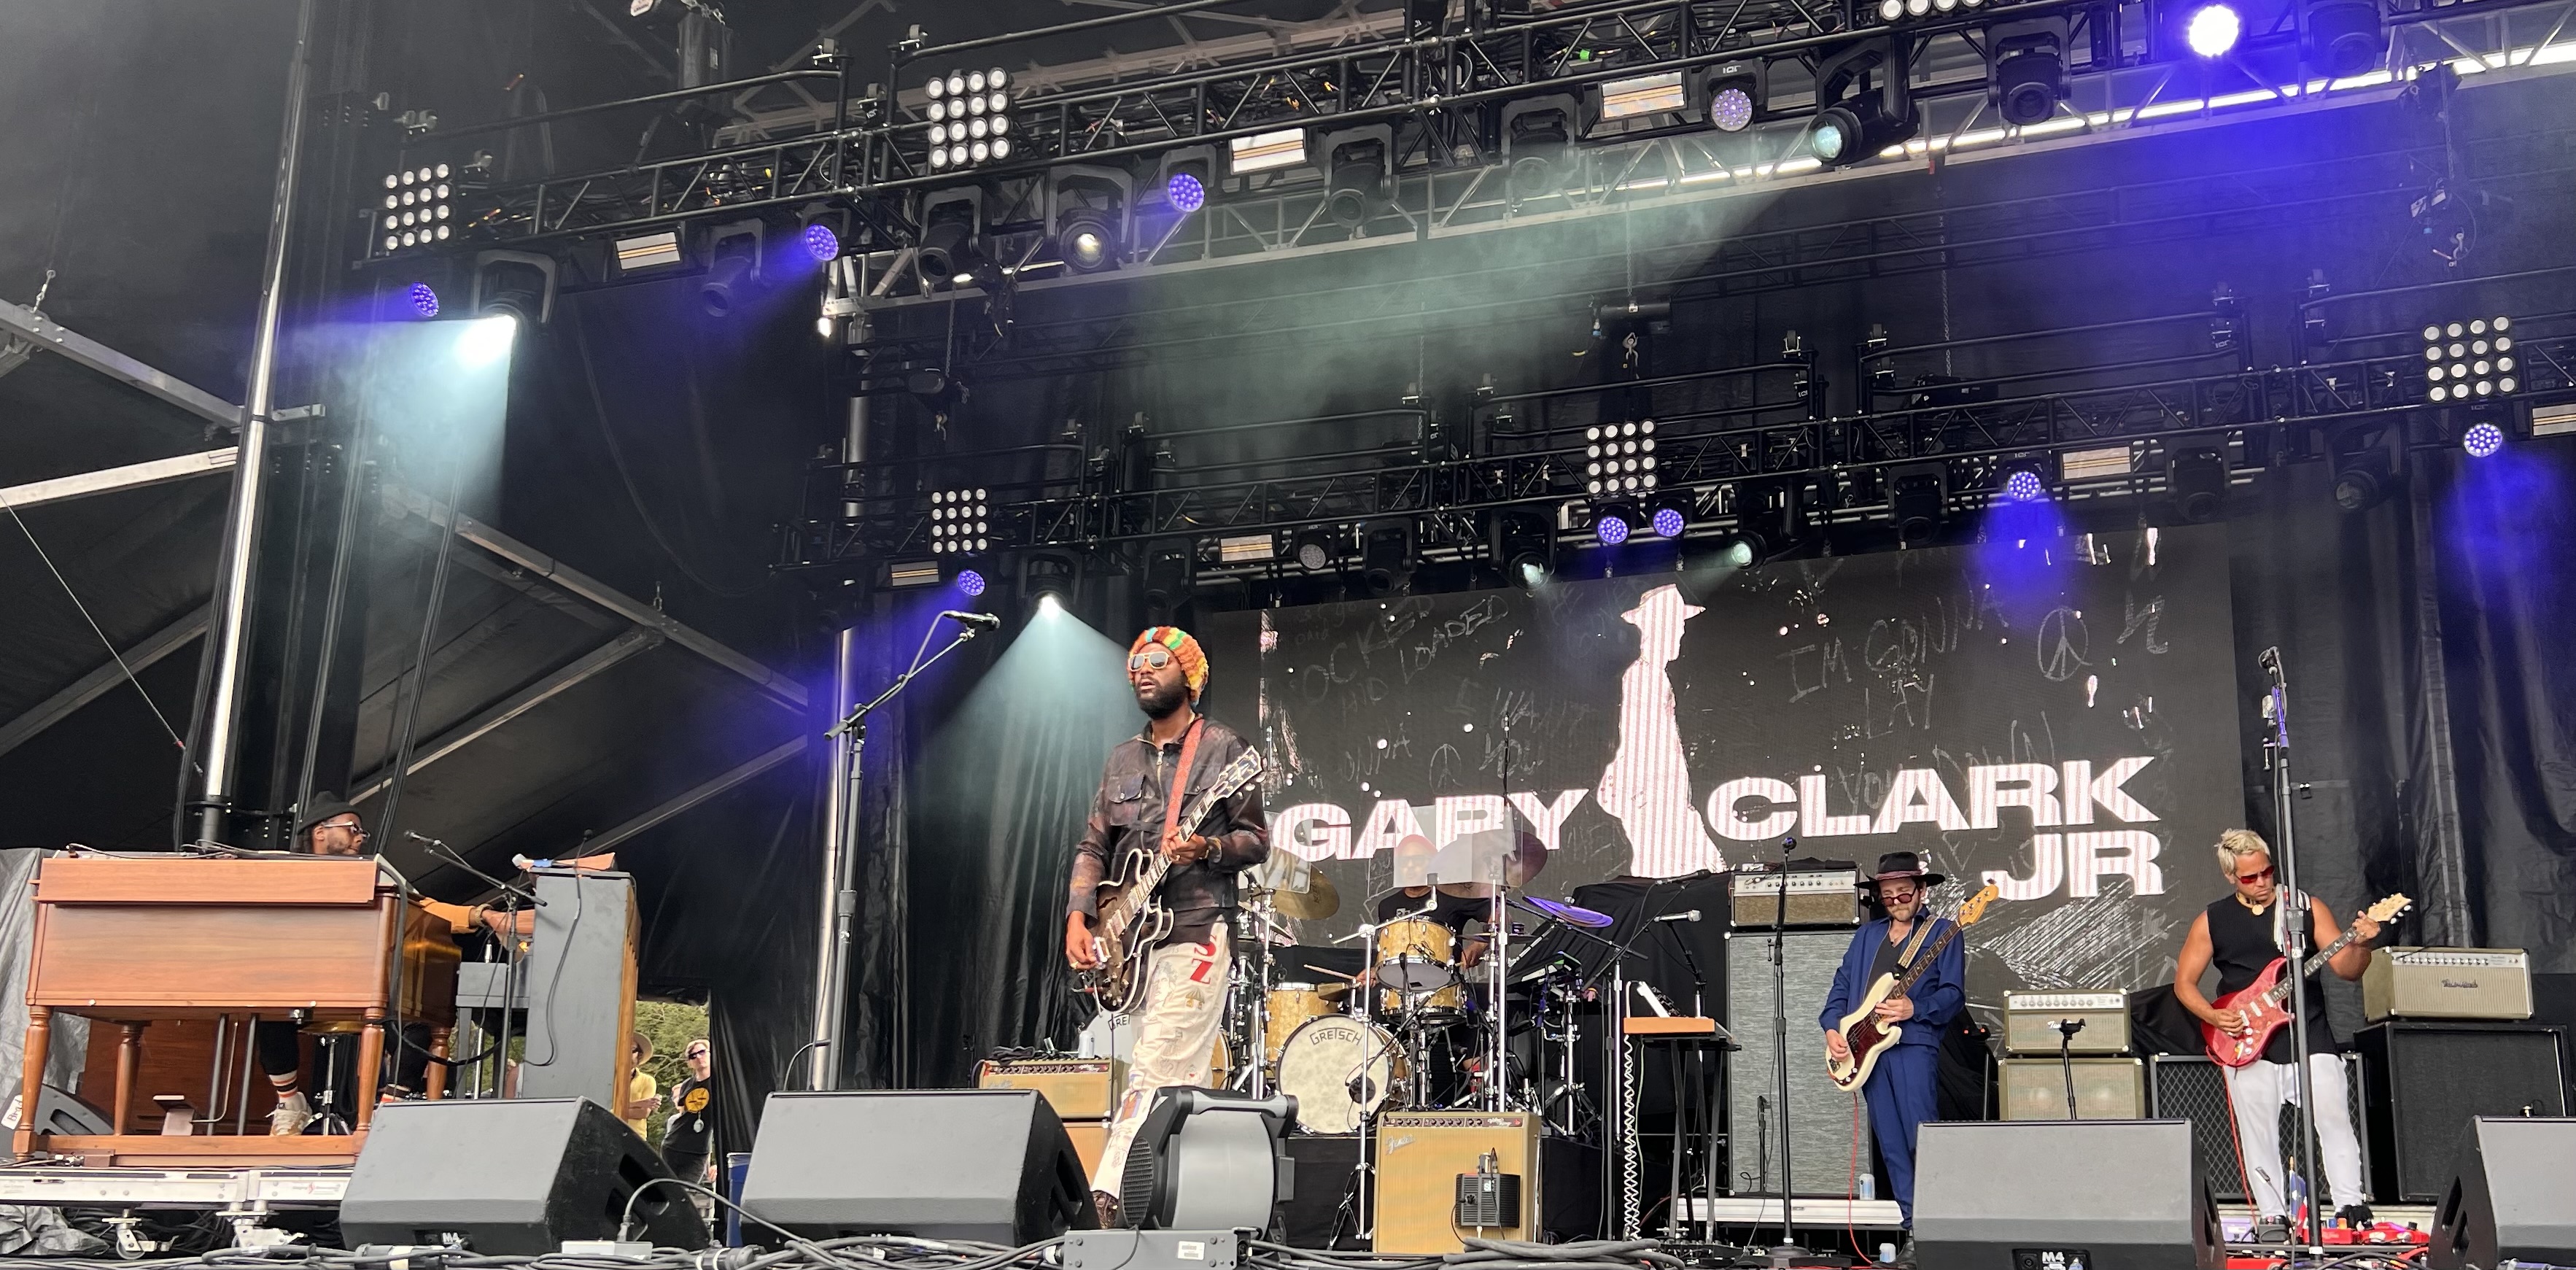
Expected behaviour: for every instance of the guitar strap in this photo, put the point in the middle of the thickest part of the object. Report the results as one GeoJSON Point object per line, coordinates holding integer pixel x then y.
{"type": "Point", "coordinates": [1905, 959]}
{"type": "Point", "coordinates": [1179, 790]}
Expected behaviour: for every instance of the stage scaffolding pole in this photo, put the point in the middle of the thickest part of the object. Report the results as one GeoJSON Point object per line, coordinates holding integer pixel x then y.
{"type": "Point", "coordinates": [840, 893]}
{"type": "Point", "coordinates": [228, 648]}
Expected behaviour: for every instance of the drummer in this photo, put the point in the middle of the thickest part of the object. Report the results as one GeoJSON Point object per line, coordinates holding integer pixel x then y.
{"type": "Point", "coordinates": [1452, 911]}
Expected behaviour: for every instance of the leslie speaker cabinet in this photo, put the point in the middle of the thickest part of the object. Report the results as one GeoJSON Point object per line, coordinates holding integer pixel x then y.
{"type": "Point", "coordinates": [1822, 1143]}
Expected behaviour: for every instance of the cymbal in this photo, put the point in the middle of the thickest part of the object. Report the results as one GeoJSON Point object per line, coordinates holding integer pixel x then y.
{"type": "Point", "coordinates": [1318, 901]}
{"type": "Point", "coordinates": [1526, 857]}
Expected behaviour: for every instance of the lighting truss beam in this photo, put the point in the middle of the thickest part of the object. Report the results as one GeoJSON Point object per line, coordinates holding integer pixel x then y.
{"type": "Point", "coordinates": [490, 718]}
{"type": "Point", "coordinates": [108, 480]}
{"type": "Point", "coordinates": [103, 680]}
{"type": "Point", "coordinates": [43, 333]}
{"type": "Point", "coordinates": [696, 796]}
{"type": "Point", "coordinates": [784, 690]}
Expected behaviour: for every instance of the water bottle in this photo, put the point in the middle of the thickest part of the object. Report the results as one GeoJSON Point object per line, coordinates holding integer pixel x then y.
{"type": "Point", "coordinates": [1868, 1186]}
{"type": "Point", "coordinates": [1887, 1254]}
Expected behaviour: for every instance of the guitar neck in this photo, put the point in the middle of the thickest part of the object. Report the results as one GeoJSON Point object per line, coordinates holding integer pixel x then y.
{"type": "Point", "coordinates": [1905, 981]}
{"type": "Point", "coordinates": [2315, 964]}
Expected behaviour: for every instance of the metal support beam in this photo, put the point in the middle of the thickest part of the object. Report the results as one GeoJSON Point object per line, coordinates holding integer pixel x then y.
{"type": "Point", "coordinates": [778, 686]}
{"type": "Point", "coordinates": [702, 793]}
{"type": "Point", "coordinates": [97, 683]}
{"type": "Point", "coordinates": [108, 480]}
{"type": "Point", "coordinates": [44, 333]}
{"type": "Point", "coordinates": [491, 717]}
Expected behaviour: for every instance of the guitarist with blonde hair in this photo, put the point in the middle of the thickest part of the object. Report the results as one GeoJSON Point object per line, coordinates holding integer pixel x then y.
{"type": "Point", "coordinates": [1132, 817]}
{"type": "Point", "coordinates": [2242, 936]}
{"type": "Point", "coordinates": [1900, 1086]}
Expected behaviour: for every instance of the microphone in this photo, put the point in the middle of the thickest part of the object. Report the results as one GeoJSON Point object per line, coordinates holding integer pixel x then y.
{"type": "Point", "coordinates": [421, 838]}
{"type": "Point", "coordinates": [1691, 916]}
{"type": "Point", "coordinates": [979, 621]}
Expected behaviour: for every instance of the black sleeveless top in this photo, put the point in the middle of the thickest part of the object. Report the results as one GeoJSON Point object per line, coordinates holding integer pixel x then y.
{"type": "Point", "coordinates": [2241, 946]}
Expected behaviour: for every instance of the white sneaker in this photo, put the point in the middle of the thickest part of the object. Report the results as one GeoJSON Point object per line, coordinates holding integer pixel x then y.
{"type": "Point", "coordinates": [292, 1114]}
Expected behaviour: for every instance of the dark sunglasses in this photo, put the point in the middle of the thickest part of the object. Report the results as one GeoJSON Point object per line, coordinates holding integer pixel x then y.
{"type": "Point", "coordinates": [2249, 879]}
{"type": "Point", "coordinates": [695, 1054]}
{"type": "Point", "coordinates": [1156, 656]}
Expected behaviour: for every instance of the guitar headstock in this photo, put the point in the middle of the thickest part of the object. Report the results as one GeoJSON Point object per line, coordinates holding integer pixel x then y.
{"type": "Point", "coordinates": [2387, 910]}
{"type": "Point", "coordinates": [1974, 909]}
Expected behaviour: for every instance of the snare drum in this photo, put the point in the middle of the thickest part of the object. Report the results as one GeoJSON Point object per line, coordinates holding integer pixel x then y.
{"type": "Point", "coordinates": [1437, 1008]}
{"type": "Point", "coordinates": [1416, 953]}
{"type": "Point", "coordinates": [1286, 1009]}
{"type": "Point", "coordinates": [1340, 1068]}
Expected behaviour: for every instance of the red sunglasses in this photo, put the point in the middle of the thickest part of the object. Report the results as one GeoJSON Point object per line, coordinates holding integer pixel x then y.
{"type": "Point", "coordinates": [2249, 879]}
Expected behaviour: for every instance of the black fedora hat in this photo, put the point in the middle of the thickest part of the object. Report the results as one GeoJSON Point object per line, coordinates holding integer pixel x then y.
{"type": "Point", "coordinates": [1901, 864]}
{"type": "Point", "coordinates": [324, 805]}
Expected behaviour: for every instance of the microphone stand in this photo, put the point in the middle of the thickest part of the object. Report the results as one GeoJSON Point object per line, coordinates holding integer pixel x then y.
{"type": "Point", "coordinates": [852, 733]}
{"type": "Point", "coordinates": [1787, 1249]}
{"type": "Point", "coordinates": [2294, 934]}
{"type": "Point", "coordinates": [2066, 1030]}
{"type": "Point", "coordinates": [511, 898]}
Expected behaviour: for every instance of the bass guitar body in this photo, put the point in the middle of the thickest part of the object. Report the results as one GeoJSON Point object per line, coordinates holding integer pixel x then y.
{"type": "Point", "coordinates": [1865, 1037]}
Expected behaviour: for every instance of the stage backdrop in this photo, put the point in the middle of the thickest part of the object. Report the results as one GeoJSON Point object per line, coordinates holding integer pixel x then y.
{"type": "Point", "coordinates": [2054, 714]}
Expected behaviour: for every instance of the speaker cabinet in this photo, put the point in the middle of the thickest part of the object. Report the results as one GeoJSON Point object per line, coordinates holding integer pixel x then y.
{"type": "Point", "coordinates": [2189, 1087]}
{"type": "Point", "coordinates": [2433, 1078]}
{"type": "Point", "coordinates": [2514, 1198]}
{"type": "Point", "coordinates": [2106, 1194]}
{"type": "Point", "coordinates": [565, 1169]}
{"type": "Point", "coordinates": [1419, 1157]}
{"type": "Point", "coordinates": [2105, 1089]}
{"type": "Point", "coordinates": [1820, 1116]}
{"type": "Point", "coordinates": [986, 1164]}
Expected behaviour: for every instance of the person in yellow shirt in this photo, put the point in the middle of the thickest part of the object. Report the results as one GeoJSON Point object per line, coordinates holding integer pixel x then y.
{"type": "Point", "coordinates": [643, 1093]}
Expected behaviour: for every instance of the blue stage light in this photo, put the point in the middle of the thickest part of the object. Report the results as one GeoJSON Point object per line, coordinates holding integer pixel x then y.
{"type": "Point", "coordinates": [424, 301]}
{"type": "Point", "coordinates": [2024, 487]}
{"type": "Point", "coordinates": [821, 242]}
{"type": "Point", "coordinates": [2213, 30]}
{"type": "Point", "coordinates": [1185, 192]}
{"type": "Point", "coordinates": [970, 582]}
{"type": "Point", "coordinates": [1669, 522]}
{"type": "Point", "coordinates": [2482, 440]}
{"type": "Point", "coordinates": [1612, 529]}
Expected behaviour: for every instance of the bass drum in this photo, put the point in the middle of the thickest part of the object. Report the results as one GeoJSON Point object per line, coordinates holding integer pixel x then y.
{"type": "Point", "coordinates": [1340, 1069]}
{"type": "Point", "coordinates": [1115, 1036]}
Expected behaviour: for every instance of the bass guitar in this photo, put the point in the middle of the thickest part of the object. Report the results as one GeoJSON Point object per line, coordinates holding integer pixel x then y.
{"type": "Point", "coordinates": [1132, 918]}
{"type": "Point", "coordinates": [1864, 1036]}
{"type": "Point", "coordinates": [2264, 1003]}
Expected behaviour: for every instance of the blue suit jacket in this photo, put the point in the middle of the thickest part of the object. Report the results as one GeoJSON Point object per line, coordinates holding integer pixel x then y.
{"type": "Point", "coordinates": [1938, 995]}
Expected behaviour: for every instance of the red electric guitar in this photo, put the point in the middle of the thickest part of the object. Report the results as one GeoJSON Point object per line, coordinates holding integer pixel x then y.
{"type": "Point", "coordinates": [2264, 1002]}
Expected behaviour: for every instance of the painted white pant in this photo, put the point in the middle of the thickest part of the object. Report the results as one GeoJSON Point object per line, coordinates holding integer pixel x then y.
{"type": "Point", "coordinates": [2257, 1091]}
{"type": "Point", "coordinates": [1175, 1033]}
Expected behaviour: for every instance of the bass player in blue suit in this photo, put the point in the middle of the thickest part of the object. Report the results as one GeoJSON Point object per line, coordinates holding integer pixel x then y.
{"type": "Point", "coordinates": [1900, 1087]}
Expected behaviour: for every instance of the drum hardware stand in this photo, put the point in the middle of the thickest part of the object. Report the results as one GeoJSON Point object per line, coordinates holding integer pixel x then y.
{"type": "Point", "coordinates": [2294, 933]}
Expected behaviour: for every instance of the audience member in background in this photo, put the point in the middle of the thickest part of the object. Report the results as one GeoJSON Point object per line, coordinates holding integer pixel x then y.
{"type": "Point", "coordinates": [689, 1136]}
{"type": "Point", "coordinates": [643, 1093]}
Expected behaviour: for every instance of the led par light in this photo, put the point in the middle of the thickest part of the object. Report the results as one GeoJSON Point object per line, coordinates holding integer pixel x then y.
{"type": "Point", "coordinates": [1619, 458]}
{"type": "Point", "coordinates": [416, 207]}
{"type": "Point", "coordinates": [960, 521]}
{"type": "Point", "coordinates": [970, 119]}
{"type": "Point", "coordinates": [2468, 362]}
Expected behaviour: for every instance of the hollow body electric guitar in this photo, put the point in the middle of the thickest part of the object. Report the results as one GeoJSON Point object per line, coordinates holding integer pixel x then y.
{"type": "Point", "coordinates": [1863, 1034]}
{"type": "Point", "coordinates": [2264, 1003]}
{"type": "Point", "coordinates": [1132, 918]}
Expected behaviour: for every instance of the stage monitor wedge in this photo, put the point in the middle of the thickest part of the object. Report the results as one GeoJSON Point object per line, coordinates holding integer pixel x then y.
{"type": "Point", "coordinates": [2114, 1194]}
{"type": "Point", "coordinates": [564, 1170]}
{"type": "Point", "coordinates": [2514, 1197]}
{"type": "Point", "coordinates": [986, 1164]}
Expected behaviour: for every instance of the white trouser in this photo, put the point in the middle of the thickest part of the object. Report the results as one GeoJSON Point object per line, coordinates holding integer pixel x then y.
{"type": "Point", "coordinates": [2257, 1091]}
{"type": "Point", "coordinates": [1175, 1035]}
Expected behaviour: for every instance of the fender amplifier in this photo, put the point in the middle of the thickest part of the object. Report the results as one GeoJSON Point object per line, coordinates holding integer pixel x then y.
{"type": "Point", "coordinates": [1077, 1088]}
{"type": "Point", "coordinates": [2030, 1019]}
{"type": "Point", "coordinates": [2446, 983]}
{"type": "Point", "coordinates": [1817, 897]}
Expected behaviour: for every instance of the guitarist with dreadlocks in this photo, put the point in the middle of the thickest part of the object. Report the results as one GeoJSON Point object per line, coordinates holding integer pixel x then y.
{"type": "Point", "coordinates": [1134, 815]}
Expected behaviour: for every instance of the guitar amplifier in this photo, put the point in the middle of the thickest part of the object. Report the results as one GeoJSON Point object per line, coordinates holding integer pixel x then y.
{"type": "Point", "coordinates": [1421, 1155]}
{"type": "Point", "coordinates": [1819, 897]}
{"type": "Point", "coordinates": [2028, 1017]}
{"type": "Point", "coordinates": [2446, 983]}
{"type": "Point", "coordinates": [2105, 1089]}
{"type": "Point", "coordinates": [1077, 1088]}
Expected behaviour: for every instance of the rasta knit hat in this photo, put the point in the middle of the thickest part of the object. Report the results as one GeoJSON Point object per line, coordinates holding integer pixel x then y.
{"type": "Point", "coordinates": [1185, 650]}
